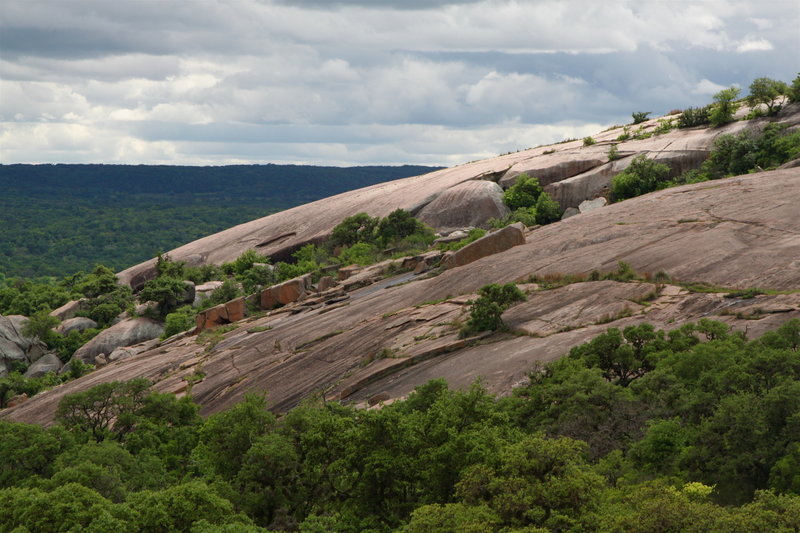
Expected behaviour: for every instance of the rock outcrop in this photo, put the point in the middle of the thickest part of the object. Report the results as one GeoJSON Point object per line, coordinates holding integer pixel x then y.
{"type": "Point", "coordinates": [471, 203]}
{"type": "Point", "coordinates": [49, 362]}
{"type": "Point", "coordinates": [570, 171]}
{"type": "Point", "coordinates": [78, 323]}
{"type": "Point", "coordinates": [490, 244]}
{"type": "Point", "coordinates": [386, 336]}
{"type": "Point", "coordinates": [15, 346]}
{"type": "Point", "coordinates": [125, 333]}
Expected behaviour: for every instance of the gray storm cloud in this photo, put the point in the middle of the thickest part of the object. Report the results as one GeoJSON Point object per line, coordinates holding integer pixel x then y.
{"type": "Point", "coordinates": [358, 82]}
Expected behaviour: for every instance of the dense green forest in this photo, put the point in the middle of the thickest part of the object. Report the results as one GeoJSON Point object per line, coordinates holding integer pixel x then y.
{"type": "Point", "coordinates": [638, 430]}
{"type": "Point", "coordinates": [59, 219]}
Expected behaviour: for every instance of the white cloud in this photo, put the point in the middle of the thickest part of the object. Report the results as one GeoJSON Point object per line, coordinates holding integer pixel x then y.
{"type": "Point", "coordinates": [431, 81]}
{"type": "Point", "coordinates": [751, 44]}
{"type": "Point", "coordinates": [707, 87]}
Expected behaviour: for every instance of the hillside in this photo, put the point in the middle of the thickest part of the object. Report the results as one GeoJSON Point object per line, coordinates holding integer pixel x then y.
{"type": "Point", "coordinates": [375, 338]}
{"type": "Point", "coordinates": [58, 219]}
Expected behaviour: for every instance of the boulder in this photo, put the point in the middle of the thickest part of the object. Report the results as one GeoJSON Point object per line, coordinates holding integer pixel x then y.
{"type": "Point", "coordinates": [188, 293]}
{"type": "Point", "coordinates": [471, 203]}
{"type": "Point", "coordinates": [496, 242]}
{"type": "Point", "coordinates": [325, 283]}
{"type": "Point", "coordinates": [570, 212]}
{"type": "Point", "coordinates": [126, 333]}
{"type": "Point", "coordinates": [226, 313]}
{"type": "Point", "coordinates": [348, 271]}
{"type": "Point", "coordinates": [78, 323]}
{"type": "Point", "coordinates": [49, 362]}
{"type": "Point", "coordinates": [69, 309]}
{"type": "Point", "coordinates": [14, 346]}
{"type": "Point", "coordinates": [204, 290]}
{"type": "Point", "coordinates": [590, 205]}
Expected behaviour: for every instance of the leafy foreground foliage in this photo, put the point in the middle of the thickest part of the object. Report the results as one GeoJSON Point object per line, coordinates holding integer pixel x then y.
{"type": "Point", "coordinates": [639, 430]}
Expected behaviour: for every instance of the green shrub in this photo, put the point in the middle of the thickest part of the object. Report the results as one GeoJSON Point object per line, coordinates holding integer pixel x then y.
{"type": "Point", "coordinates": [766, 91]}
{"type": "Point", "coordinates": [643, 175]}
{"type": "Point", "coordinates": [664, 126]}
{"type": "Point", "coordinates": [179, 320]}
{"type": "Point", "coordinates": [794, 90]}
{"type": "Point", "coordinates": [639, 116]}
{"type": "Point", "coordinates": [203, 273]}
{"type": "Point", "coordinates": [244, 262]}
{"type": "Point", "coordinates": [613, 152]}
{"type": "Point", "coordinates": [527, 215]}
{"type": "Point", "coordinates": [523, 193]}
{"type": "Point", "coordinates": [398, 225]}
{"type": "Point", "coordinates": [473, 235]}
{"type": "Point", "coordinates": [167, 292]}
{"type": "Point", "coordinates": [588, 141]}
{"type": "Point", "coordinates": [165, 266]}
{"type": "Point", "coordinates": [692, 117]}
{"type": "Point", "coordinates": [724, 106]}
{"type": "Point", "coordinates": [547, 209]}
{"type": "Point", "coordinates": [106, 307]}
{"type": "Point", "coordinates": [357, 228]}
{"type": "Point", "coordinates": [224, 293]}
{"type": "Point", "coordinates": [360, 253]}
{"type": "Point", "coordinates": [625, 135]}
{"type": "Point", "coordinates": [486, 311]}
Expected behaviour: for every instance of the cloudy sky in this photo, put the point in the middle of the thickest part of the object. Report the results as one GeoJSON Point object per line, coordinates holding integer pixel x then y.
{"type": "Point", "coordinates": [362, 81]}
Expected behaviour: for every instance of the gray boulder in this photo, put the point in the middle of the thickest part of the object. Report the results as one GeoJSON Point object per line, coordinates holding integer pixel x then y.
{"type": "Point", "coordinates": [79, 323]}
{"type": "Point", "coordinates": [590, 205]}
{"type": "Point", "coordinates": [126, 333]}
{"type": "Point", "coordinates": [49, 362]}
{"type": "Point", "coordinates": [471, 203]}
{"type": "Point", "coordinates": [14, 346]}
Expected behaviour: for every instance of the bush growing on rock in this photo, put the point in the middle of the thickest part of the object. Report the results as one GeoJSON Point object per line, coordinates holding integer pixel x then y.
{"type": "Point", "coordinates": [724, 106]}
{"type": "Point", "coordinates": [523, 193]}
{"type": "Point", "coordinates": [485, 312]}
{"type": "Point", "coordinates": [167, 292]}
{"type": "Point", "coordinates": [766, 91]}
{"type": "Point", "coordinates": [794, 90]}
{"type": "Point", "coordinates": [692, 117]}
{"type": "Point", "coordinates": [357, 228]}
{"type": "Point", "coordinates": [643, 175]}
{"type": "Point", "coordinates": [639, 116]}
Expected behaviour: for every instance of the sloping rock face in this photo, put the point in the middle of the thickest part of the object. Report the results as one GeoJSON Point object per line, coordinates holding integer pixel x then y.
{"type": "Point", "coordinates": [572, 173]}
{"type": "Point", "coordinates": [125, 333]}
{"type": "Point", "coordinates": [467, 204]}
{"type": "Point", "coordinates": [14, 346]}
{"type": "Point", "coordinates": [384, 339]}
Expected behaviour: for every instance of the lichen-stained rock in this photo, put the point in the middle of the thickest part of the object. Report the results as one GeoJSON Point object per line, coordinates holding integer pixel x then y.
{"type": "Point", "coordinates": [471, 203]}
{"type": "Point", "coordinates": [493, 243]}
{"type": "Point", "coordinates": [126, 333]}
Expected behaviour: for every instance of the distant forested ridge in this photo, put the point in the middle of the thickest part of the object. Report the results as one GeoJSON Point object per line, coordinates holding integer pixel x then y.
{"type": "Point", "coordinates": [58, 219]}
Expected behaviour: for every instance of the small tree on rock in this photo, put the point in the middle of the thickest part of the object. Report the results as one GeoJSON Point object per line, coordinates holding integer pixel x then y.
{"type": "Point", "coordinates": [767, 91]}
